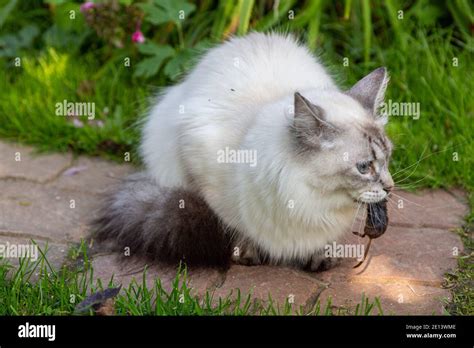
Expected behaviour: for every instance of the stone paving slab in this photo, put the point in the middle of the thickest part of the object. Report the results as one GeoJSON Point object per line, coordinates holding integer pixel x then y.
{"type": "Point", "coordinates": [92, 175]}
{"type": "Point", "coordinates": [21, 162]}
{"type": "Point", "coordinates": [55, 252]}
{"type": "Point", "coordinates": [428, 208]}
{"type": "Point", "coordinates": [280, 283]}
{"type": "Point", "coordinates": [405, 269]}
{"type": "Point", "coordinates": [44, 212]}
{"type": "Point", "coordinates": [418, 256]}
{"type": "Point", "coordinates": [396, 298]}
{"type": "Point", "coordinates": [405, 266]}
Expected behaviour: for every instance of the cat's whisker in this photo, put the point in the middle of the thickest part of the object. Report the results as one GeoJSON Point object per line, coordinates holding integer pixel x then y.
{"type": "Point", "coordinates": [423, 158]}
{"type": "Point", "coordinates": [372, 215]}
{"type": "Point", "coordinates": [364, 215]}
{"type": "Point", "coordinates": [392, 201]}
{"type": "Point", "coordinates": [408, 184]}
{"type": "Point", "coordinates": [412, 185]}
{"type": "Point", "coordinates": [404, 179]}
{"type": "Point", "coordinates": [394, 205]}
{"type": "Point", "coordinates": [425, 207]}
{"type": "Point", "coordinates": [396, 209]}
{"type": "Point", "coordinates": [416, 164]}
{"type": "Point", "coordinates": [405, 199]}
{"type": "Point", "coordinates": [408, 187]}
{"type": "Point", "coordinates": [356, 214]}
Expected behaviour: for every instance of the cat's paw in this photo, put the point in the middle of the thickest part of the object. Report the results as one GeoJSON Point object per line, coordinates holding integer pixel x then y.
{"type": "Point", "coordinates": [321, 263]}
{"type": "Point", "coordinates": [246, 254]}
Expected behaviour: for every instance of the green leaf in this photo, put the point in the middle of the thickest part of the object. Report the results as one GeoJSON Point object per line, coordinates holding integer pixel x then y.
{"type": "Point", "coordinates": [164, 11]}
{"type": "Point", "coordinates": [10, 44]}
{"type": "Point", "coordinates": [27, 35]}
{"type": "Point", "coordinates": [179, 64]}
{"type": "Point", "coordinates": [56, 37]}
{"type": "Point", "coordinates": [149, 48]}
{"type": "Point", "coordinates": [150, 66]}
{"type": "Point", "coordinates": [62, 17]}
{"type": "Point", "coordinates": [5, 11]}
{"type": "Point", "coordinates": [153, 14]}
{"type": "Point", "coordinates": [184, 60]}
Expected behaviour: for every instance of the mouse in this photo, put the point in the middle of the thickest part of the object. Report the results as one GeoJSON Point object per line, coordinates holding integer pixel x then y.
{"type": "Point", "coordinates": [376, 224]}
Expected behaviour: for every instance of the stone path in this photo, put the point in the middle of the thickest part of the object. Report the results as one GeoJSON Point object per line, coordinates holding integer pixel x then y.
{"type": "Point", "coordinates": [50, 198]}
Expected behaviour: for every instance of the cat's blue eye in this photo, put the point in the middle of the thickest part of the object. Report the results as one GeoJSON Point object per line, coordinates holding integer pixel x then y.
{"type": "Point", "coordinates": [363, 167]}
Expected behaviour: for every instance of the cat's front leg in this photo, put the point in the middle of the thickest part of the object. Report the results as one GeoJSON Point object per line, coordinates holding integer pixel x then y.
{"type": "Point", "coordinates": [319, 262]}
{"type": "Point", "coordinates": [245, 253]}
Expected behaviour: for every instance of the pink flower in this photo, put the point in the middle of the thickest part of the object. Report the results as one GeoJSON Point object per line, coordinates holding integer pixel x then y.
{"type": "Point", "coordinates": [138, 37]}
{"type": "Point", "coordinates": [88, 5]}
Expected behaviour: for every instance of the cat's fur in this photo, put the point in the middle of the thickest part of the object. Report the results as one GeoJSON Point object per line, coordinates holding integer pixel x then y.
{"type": "Point", "coordinates": [263, 93]}
{"type": "Point", "coordinates": [162, 224]}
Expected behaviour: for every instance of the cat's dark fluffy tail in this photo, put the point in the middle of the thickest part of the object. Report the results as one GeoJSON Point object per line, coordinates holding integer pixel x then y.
{"type": "Point", "coordinates": [161, 224]}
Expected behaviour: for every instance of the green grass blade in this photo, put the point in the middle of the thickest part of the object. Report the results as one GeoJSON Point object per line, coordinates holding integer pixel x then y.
{"type": "Point", "coordinates": [275, 16]}
{"type": "Point", "coordinates": [245, 12]}
{"type": "Point", "coordinates": [223, 15]}
{"type": "Point", "coordinates": [367, 25]}
{"type": "Point", "coordinates": [347, 9]}
{"type": "Point", "coordinates": [395, 23]}
{"type": "Point", "coordinates": [314, 24]}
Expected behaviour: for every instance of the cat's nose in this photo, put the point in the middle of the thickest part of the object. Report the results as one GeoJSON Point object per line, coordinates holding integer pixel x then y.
{"type": "Point", "coordinates": [387, 182]}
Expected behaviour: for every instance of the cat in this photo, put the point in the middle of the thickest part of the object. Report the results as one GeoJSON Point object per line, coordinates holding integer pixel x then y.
{"type": "Point", "coordinates": [320, 151]}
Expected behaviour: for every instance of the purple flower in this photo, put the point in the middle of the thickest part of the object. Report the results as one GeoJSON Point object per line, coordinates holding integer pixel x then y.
{"type": "Point", "coordinates": [88, 5]}
{"type": "Point", "coordinates": [77, 123]}
{"type": "Point", "coordinates": [138, 37]}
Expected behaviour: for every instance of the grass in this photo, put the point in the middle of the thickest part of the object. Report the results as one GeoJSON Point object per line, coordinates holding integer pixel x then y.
{"type": "Point", "coordinates": [461, 280]}
{"type": "Point", "coordinates": [36, 288]}
{"type": "Point", "coordinates": [27, 109]}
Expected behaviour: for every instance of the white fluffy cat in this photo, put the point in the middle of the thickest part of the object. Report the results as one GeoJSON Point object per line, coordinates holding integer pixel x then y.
{"type": "Point", "coordinates": [319, 150]}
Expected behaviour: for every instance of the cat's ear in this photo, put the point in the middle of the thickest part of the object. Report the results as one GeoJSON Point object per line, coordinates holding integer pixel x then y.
{"type": "Point", "coordinates": [310, 124]}
{"type": "Point", "coordinates": [370, 90]}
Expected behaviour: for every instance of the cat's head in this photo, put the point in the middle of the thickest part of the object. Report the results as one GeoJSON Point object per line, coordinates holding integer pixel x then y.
{"type": "Point", "coordinates": [341, 139]}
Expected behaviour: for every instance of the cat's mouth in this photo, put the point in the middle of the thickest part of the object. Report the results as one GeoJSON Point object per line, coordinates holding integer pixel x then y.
{"type": "Point", "coordinates": [372, 196]}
